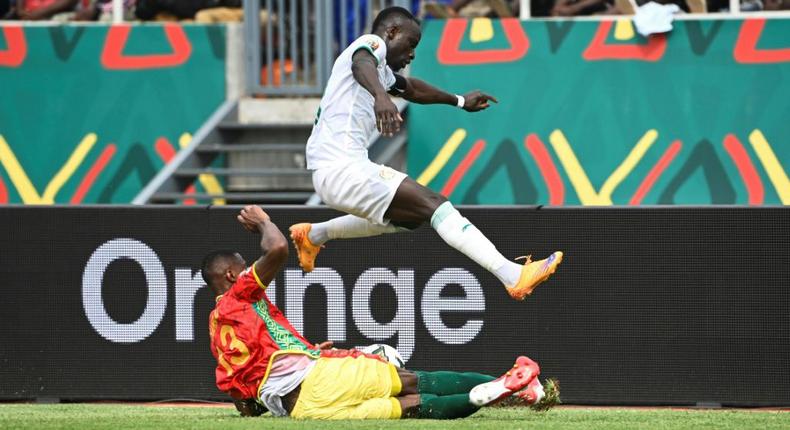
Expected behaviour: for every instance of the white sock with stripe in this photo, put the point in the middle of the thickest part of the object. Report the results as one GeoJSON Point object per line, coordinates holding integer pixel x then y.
{"type": "Point", "coordinates": [462, 235]}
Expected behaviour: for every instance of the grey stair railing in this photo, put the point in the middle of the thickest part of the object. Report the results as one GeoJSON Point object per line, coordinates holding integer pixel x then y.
{"type": "Point", "coordinates": [264, 163]}
{"type": "Point", "coordinates": [166, 182]}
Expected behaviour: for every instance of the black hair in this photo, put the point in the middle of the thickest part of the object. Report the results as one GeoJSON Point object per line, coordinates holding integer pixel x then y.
{"type": "Point", "coordinates": [392, 12]}
{"type": "Point", "coordinates": [213, 265]}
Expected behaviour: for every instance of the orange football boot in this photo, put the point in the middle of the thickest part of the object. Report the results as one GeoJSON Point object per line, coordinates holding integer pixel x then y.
{"type": "Point", "coordinates": [305, 250]}
{"type": "Point", "coordinates": [533, 273]}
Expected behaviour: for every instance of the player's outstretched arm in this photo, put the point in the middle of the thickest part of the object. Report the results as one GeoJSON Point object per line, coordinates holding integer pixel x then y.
{"type": "Point", "coordinates": [418, 91]}
{"type": "Point", "coordinates": [274, 247]}
{"type": "Point", "coordinates": [363, 67]}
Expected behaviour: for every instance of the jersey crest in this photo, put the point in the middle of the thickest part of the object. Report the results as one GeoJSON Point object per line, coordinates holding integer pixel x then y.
{"type": "Point", "coordinates": [373, 43]}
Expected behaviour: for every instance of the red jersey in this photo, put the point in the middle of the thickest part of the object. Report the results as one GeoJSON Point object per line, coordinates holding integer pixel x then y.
{"type": "Point", "coordinates": [247, 331]}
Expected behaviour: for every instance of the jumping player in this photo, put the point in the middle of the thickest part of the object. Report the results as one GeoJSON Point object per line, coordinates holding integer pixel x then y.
{"type": "Point", "coordinates": [377, 198]}
{"type": "Point", "coordinates": [264, 363]}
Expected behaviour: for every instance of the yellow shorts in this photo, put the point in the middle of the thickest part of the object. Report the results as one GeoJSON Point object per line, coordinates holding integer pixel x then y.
{"type": "Point", "coordinates": [349, 388]}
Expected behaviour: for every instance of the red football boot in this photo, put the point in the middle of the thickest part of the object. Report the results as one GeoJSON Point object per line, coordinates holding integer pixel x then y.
{"type": "Point", "coordinates": [533, 393]}
{"type": "Point", "coordinates": [522, 373]}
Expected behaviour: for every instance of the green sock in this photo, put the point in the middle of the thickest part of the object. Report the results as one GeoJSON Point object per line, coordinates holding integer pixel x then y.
{"type": "Point", "coordinates": [447, 383]}
{"type": "Point", "coordinates": [445, 407]}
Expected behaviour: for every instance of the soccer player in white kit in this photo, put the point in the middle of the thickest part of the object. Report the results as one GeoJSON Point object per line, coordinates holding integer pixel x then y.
{"type": "Point", "coordinates": [377, 198]}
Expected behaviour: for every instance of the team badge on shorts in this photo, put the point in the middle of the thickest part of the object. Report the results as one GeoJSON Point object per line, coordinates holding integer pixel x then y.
{"type": "Point", "coordinates": [387, 173]}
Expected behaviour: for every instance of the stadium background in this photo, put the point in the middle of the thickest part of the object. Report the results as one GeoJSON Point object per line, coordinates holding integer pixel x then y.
{"type": "Point", "coordinates": [654, 305]}
{"type": "Point", "coordinates": [112, 298]}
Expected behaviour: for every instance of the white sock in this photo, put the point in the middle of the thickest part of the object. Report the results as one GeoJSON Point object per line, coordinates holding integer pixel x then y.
{"type": "Point", "coordinates": [347, 227]}
{"type": "Point", "coordinates": [462, 235]}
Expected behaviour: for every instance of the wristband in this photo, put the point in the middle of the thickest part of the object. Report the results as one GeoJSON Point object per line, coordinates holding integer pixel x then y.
{"type": "Point", "coordinates": [460, 102]}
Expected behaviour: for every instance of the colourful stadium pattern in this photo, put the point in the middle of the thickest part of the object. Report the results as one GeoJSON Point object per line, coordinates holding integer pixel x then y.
{"type": "Point", "coordinates": [124, 102]}
{"type": "Point", "coordinates": [16, 48]}
{"type": "Point", "coordinates": [586, 192]}
{"type": "Point", "coordinates": [29, 194]}
{"type": "Point", "coordinates": [112, 56]}
{"type": "Point", "coordinates": [449, 51]}
{"type": "Point", "coordinates": [453, 157]}
{"type": "Point", "coordinates": [572, 95]}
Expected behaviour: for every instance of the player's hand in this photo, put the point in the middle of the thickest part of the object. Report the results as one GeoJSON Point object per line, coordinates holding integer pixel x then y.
{"type": "Point", "coordinates": [251, 217]}
{"type": "Point", "coordinates": [326, 345]}
{"type": "Point", "coordinates": [476, 101]}
{"type": "Point", "coordinates": [249, 407]}
{"type": "Point", "coordinates": [388, 119]}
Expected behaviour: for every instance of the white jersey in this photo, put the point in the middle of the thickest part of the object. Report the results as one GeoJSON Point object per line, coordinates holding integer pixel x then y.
{"type": "Point", "coordinates": [345, 120]}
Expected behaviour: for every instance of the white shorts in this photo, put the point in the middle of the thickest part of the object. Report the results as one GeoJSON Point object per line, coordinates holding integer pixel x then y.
{"type": "Point", "coordinates": [362, 188]}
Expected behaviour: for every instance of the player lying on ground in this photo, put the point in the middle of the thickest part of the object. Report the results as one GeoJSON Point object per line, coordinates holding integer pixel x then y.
{"type": "Point", "coordinates": [379, 199]}
{"type": "Point", "coordinates": [261, 356]}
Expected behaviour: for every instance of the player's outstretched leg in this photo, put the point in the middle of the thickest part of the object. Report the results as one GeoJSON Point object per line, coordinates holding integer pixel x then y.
{"type": "Point", "coordinates": [515, 379]}
{"type": "Point", "coordinates": [451, 406]}
{"type": "Point", "coordinates": [309, 238]}
{"type": "Point", "coordinates": [416, 203]}
{"type": "Point", "coordinates": [462, 235]}
{"type": "Point", "coordinates": [446, 383]}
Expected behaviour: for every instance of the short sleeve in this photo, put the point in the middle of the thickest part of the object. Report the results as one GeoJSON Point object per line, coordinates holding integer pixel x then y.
{"type": "Point", "coordinates": [373, 44]}
{"type": "Point", "coordinates": [248, 286]}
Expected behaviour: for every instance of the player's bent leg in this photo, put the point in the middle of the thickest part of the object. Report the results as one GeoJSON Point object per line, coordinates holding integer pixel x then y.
{"type": "Point", "coordinates": [308, 239]}
{"type": "Point", "coordinates": [413, 203]}
{"type": "Point", "coordinates": [515, 379]}
{"type": "Point", "coordinates": [362, 189]}
{"type": "Point", "coordinates": [348, 227]}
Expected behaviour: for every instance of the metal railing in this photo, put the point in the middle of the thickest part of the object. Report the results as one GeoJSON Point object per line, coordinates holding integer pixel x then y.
{"type": "Point", "coordinates": [301, 38]}
{"type": "Point", "coordinates": [290, 45]}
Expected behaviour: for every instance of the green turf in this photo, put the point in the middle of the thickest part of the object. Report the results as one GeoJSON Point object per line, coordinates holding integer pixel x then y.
{"type": "Point", "coordinates": [106, 416]}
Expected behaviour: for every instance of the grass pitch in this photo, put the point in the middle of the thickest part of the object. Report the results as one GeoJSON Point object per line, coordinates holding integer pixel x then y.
{"type": "Point", "coordinates": [140, 417]}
